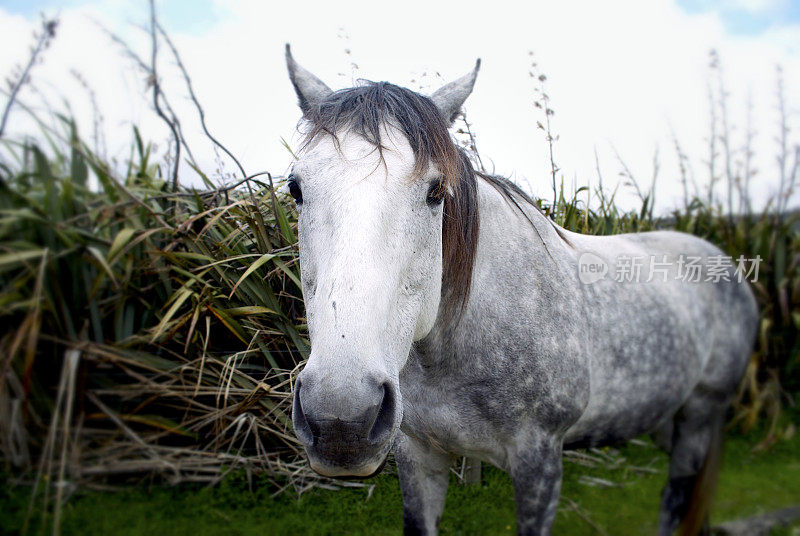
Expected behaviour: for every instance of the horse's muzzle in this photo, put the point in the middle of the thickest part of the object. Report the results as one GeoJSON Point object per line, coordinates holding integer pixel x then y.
{"type": "Point", "coordinates": [346, 430]}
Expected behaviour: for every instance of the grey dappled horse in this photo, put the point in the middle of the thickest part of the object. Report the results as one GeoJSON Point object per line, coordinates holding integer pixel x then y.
{"type": "Point", "coordinates": [447, 318]}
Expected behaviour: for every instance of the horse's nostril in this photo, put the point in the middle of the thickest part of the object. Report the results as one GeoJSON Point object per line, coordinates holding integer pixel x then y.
{"type": "Point", "coordinates": [384, 421]}
{"type": "Point", "coordinates": [302, 427]}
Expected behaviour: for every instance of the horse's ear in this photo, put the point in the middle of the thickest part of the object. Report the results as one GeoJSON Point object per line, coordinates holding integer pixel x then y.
{"type": "Point", "coordinates": [450, 97]}
{"type": "Point", "coordinates": [310, 89]}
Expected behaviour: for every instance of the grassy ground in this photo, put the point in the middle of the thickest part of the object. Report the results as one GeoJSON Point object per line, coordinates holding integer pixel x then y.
{"type": "Point", "coordinates": [750, 483]}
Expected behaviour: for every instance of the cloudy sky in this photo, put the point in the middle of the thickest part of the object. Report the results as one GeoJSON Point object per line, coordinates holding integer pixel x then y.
{"type": "Point", "coordinates": [623, 75]}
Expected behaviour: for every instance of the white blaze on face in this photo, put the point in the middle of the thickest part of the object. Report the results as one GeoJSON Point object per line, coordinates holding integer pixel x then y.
{"type": "Point", "coordinates": [370, 253]}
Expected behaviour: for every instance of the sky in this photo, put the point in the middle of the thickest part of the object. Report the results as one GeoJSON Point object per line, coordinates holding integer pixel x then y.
{"type": "Point", "coordinates": [625, 77]}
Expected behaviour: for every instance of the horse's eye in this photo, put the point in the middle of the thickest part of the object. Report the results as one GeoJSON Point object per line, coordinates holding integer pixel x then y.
{"type": "Point", "coordinates": [435, 192]}
{"type": "Point", "coordinates": [294, 190]}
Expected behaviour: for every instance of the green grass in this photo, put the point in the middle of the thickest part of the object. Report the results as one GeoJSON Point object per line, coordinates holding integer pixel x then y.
{"type": "Point", "coordinates": [750, 483]}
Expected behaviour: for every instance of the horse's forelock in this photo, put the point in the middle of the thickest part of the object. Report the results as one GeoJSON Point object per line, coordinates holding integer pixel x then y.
{"type": "Point", "coordinates": [366, 110]}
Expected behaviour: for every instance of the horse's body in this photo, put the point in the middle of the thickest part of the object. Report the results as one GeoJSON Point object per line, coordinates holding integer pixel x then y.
{"type": "Point", "coordinates": [529, 362]}
{"type": "Point", "coordinates": [540, 360]}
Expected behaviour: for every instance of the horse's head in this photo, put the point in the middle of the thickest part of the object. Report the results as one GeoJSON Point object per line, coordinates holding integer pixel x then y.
{"type": "Point", "coordinates": [385, 201]}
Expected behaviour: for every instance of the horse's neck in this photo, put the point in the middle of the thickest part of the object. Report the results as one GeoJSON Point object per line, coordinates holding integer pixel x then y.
{"type": "Point", "coordinates": [517, 245]}
{"type": "Point", "coordinates": [513, 224]}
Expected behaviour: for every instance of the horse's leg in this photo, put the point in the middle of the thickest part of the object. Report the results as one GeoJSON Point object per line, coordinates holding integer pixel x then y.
{"type": "Point", "coordinates": [662, 435]}
{"type": "Point", "coordinates": [694, 460]}
{"type": "Point", "coordinates": [424, 475]}
{"type": "Point", "coordinates": [536, 472]}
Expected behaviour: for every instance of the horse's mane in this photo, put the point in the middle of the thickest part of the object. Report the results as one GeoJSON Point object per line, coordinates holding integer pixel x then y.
{"type": "Point", "coordinates": [365, 110]}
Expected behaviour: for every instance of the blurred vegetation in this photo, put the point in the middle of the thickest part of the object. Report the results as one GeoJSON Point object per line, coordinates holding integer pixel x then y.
{"type": "Point", "coordinates": [143, 330]}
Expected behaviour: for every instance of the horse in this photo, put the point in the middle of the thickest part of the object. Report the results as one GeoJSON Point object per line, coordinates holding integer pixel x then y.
{"type": "Point", "coordinates": [449, 316]}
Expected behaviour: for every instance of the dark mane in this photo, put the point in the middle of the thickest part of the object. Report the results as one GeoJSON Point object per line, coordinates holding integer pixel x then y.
{"type": "Point", "coordinates": [365, 109]}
